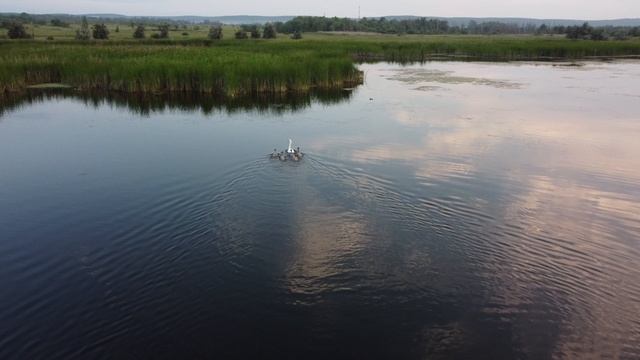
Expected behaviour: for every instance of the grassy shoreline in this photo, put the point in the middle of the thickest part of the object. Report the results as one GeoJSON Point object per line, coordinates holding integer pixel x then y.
{"type": "Point", "coordinates": [238, 68]}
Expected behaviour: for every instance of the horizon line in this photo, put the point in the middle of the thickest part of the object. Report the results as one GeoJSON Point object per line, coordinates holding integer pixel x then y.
{"type": "Point", "coordinates": [348, 17]}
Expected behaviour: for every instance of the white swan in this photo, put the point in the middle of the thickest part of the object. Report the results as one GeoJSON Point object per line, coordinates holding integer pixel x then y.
{"type": "Point", "coordinates": [290, 149]}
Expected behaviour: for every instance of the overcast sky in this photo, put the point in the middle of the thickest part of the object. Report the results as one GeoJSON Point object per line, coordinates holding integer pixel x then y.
{"type": "Point", "coordinates": [566, 9]}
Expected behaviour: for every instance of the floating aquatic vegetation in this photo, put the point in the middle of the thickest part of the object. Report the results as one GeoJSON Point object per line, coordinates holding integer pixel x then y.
{"type": "Point", "coordinates": [419, 76]}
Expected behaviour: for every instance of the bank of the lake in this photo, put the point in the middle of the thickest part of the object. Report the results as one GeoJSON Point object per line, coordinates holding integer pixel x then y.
{"type": "Point", "coordinates": [237, 68]}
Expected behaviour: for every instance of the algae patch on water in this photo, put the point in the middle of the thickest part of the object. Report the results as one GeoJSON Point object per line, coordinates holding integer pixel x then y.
{"type": "Point", "coordinates": [425, 78]}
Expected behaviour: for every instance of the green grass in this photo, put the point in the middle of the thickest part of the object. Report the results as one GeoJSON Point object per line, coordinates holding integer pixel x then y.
{"type": "Point", "coordinates": [490, 48]}
{"type": "Point", "coordinates": [244, 67]}
{"type": "Point", "coordinates": [227, 68]}
{"type": "Point", "coordinates": [42, 32]}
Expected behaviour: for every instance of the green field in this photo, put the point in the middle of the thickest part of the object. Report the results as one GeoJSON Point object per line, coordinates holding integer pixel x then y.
{"type": "Point", "coordinates": [192, 63]}
{"type": "Point", "coordinates": [42, 32]}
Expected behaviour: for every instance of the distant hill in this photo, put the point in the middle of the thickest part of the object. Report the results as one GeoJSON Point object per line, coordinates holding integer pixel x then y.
{"type": "Point", "coordinates": [254, 19]}
{"type": "Point", "coordinates": [458, 21]}
{"type": "Point", "coordinates": [234, 19]}
{"type": "Point", "coordinates": [105, 16]}
{"type": "Point", "coordinates": [231, 20]}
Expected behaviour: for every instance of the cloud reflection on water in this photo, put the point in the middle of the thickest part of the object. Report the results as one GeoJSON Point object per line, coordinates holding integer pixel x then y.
{"type": "Point", "coordinates": [563, 161]}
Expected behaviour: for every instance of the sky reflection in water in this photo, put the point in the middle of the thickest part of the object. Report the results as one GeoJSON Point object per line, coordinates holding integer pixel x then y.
{"type": "Point", "coordinates": [445, 209]}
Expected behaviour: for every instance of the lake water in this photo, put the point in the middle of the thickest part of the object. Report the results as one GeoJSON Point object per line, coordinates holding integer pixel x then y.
{"type": "Point", "coordinates": [444, 210]}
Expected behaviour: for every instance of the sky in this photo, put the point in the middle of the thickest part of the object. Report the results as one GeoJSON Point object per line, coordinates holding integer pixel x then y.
{"type": "Point", "coordinates": [548, 9]}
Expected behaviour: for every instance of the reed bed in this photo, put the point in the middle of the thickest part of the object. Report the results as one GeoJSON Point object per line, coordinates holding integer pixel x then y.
{"type": "Point", "coordinates": [142, 68]}
{"type": "Point", "coordinates": [238, 68]}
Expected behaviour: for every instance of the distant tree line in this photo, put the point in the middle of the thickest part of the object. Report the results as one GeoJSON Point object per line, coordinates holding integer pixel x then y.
{"type": "Point", "coordinates": [63, 20]}
{"type": "Point", "coordinates": [381, 25]}
{"type": "Point", "coordinates": [268, 31]}
{"type": "Point", "coordinates": [437, 26]}
{"type": "Point", "coordinates": [99, 31]}
{"type": "Point", "coordinates": [15, 25]}
{"type": "Point", "coordinates": [59, 23]}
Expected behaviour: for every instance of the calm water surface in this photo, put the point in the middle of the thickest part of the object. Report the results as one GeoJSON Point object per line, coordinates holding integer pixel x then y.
{"type": "Point", "coordinates": [449, 210]}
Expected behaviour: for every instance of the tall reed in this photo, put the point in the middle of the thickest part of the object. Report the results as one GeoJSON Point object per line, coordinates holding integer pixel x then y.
{"type": "Point", "coordinates": [142, 68]}
{"type": "Point", "coordinates": [239, 68]}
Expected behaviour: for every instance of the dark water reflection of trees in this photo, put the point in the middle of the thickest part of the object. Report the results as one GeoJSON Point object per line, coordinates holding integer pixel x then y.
{"type": "Point", "coordinates": [146, 104]}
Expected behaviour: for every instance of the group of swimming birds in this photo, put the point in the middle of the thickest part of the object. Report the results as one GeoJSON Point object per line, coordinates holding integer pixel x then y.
{"type": "Point", "coordinates": [290, 154]}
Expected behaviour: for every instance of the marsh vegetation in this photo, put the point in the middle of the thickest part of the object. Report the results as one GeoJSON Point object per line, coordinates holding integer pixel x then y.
{"type": "Point", "coordinates": [231, 70]}
{"type": "Point", "coordinates": [236, 61]}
